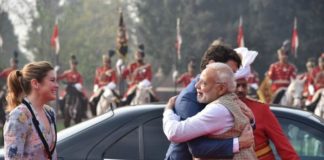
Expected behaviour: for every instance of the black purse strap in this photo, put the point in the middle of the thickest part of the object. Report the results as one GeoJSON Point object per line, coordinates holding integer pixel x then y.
{"type": "Point", "coordinates": [36, 124]}
{"type": "Point", "coordinates": [55, 135]}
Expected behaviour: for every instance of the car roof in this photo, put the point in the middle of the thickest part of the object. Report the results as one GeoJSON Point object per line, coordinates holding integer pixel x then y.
{"type": "Point", "coordinates": [129, 112]}
{"type": "Point", "coordinates": [295, 112]}
{"type": "Point", "coordinates": [124, 113]}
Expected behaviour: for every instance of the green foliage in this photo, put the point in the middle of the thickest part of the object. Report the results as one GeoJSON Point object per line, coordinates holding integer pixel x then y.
{"type": "Point", "coordinates": [9, 40]}
{"type": "Point", "coordinates": [267, 23]}
{"type": "Point", "coordinates": [88, 29]}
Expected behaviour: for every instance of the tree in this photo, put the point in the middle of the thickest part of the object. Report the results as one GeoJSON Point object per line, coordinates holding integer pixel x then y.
{"type": "Point", "coordinates": [267, 24]}
{"type": "Point", "coordinates": [9, 40]}
{"type": "Point", "coordinates": [88, 29]}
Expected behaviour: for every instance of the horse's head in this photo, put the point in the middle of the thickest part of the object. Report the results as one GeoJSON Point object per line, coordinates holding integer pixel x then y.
{"type": "Point", "coordinates": [142, 93]}
{"type": "Point", "coordinates": [73, 88]}
{"type": "Point", "coordinates": [108, 95]}
{"type": "Point", "coordinates": [106, 102]}
{"type": "Point", "coordinates": [294, 92]}
{"type": "Point", "coordinates": [108, 99]}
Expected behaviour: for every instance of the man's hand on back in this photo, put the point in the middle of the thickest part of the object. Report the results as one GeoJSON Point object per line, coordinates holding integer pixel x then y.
{"type": "Point", "coordinates": [246, 139]}
{"type": "Point", "coordinates": [171, 103]}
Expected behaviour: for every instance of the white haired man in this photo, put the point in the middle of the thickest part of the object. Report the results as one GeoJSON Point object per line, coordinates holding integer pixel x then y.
{"type": "Point", "coordinates": [221, 118]}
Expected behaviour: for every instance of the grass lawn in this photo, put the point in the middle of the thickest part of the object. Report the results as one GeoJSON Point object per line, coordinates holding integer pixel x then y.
{"type": "Point", "coordinates": [59, 125]}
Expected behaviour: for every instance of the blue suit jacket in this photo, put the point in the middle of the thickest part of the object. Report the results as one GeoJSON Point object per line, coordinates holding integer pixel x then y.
{"type": "Point", "coordinates": [187, 106]}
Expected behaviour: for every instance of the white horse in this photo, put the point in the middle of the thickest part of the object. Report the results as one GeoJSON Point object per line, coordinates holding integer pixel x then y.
{"type": "Point", "coordinates": [143, 90]}
{"type": "Point", "coordinates": [108, 100]}
{"type": "Point", "coordinates": [291, 96]}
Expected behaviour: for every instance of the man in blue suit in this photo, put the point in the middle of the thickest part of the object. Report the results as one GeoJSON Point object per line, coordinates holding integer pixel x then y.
{"type": "Point", "coordinates": [187, 106]}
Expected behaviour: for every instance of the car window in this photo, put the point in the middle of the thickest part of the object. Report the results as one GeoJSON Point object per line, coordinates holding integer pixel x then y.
{"type": "Point", "coordinates": [306, 140]}
{"type": "Point", "coordinates": [155, 142]}
{"type": "Point", "coordinates": [125, 148]}
{"type": "Point", "coordinates": [148, 138]}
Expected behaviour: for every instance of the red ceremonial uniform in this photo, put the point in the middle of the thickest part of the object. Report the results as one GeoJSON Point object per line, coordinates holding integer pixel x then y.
{"type": "Point", "coordinates": [317, 81]}
{"type": "Point", "coordinates": [268, 128]}
{"type": "Point", "coordinates": [71, 77]}
{"type": "Point", "coordinates": [104, 76]}
{"type": "Point", "coordinates": [5, 73]}
{"type": "Point", "coordinates": [185, 79]}
{"type": "Point", "coordinates": [137, 73]}
{"type": "Point", "coordinates": [280, 74]}
{"type": "Point", "coordinates": [307, 84]}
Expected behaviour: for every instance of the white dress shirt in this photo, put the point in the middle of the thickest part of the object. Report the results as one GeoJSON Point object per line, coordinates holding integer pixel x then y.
{"type": "Point", "coordinates": [214, 119]}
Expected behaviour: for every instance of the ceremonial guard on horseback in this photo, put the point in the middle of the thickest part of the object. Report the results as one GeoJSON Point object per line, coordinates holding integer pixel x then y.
{"type": "Point", "coordinates": [133, 76]}
{"type": "Point", "coordinates": [281, 72]}
{"type": "Point", "coordinates": [317, 74]}
{"type": "Point", "coordinates": [139, 76]}
{"type": "Point", "coordinates": [105, 76]}
{"type": "Point", "coordinates": [309, 89]}
{"type": "Point", "coordinates": [73, 105]}
{"type": "Point", "coordinates": [281, 75]}
{"type": "Point", "coordinates": [317, 79]}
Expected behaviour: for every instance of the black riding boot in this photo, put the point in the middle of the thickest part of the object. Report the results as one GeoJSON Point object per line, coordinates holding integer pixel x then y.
{"type": "Point", "coordinates": [93, 104]}
{"type": "Point", "coordinates": [128, 100]}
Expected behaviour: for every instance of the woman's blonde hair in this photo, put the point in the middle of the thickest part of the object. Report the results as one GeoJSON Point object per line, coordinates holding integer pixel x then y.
{"type": "Point", "coordinates": [18, 81]}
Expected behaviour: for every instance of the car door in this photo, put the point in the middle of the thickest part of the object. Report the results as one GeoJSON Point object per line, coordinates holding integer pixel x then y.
{"type": "Point", "coordinates": [306, 137]}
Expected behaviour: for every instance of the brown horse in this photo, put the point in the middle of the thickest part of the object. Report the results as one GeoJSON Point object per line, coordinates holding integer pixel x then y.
{"type": "Point", "coordinates": [75, 104]}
